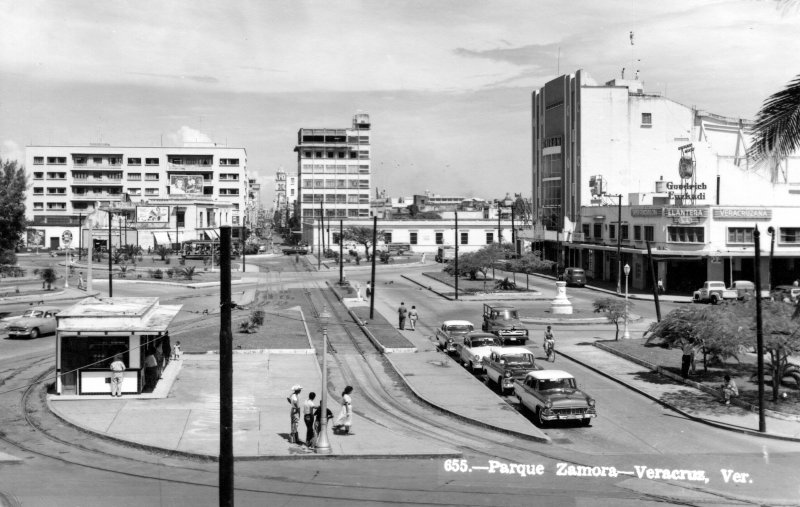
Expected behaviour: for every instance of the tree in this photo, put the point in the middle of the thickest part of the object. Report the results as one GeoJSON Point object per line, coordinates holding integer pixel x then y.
{"type": "Point", "coordinates": [614, 310]}
{"type": "Point", "coordinates": [163, 251]}
{"type": "Point", "coordinates": [48, 277]}
{"type": "Point", "coordinates": [529, 264]}
{"type": "Point", "coordinates": [777, 125]}
{"type": "Point", "coordinates": [363, 236]}
{"type": "Point", "coordinates": [13, 182]}
{"type": "Point", "coordinates": [188, 272]}
{"type": "Point", "coordinates": [522, 210]}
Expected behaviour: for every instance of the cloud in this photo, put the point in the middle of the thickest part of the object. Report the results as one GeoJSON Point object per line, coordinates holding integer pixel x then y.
{"type": "Point", "coordinates": [187, 135]}
{"type": "Point", "coordinates": [522, 55]}
{"type": "Point", "coordinates": [10, 150]}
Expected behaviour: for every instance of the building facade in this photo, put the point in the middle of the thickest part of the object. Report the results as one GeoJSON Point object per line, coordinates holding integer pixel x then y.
{"type": "Point", "coordinates": [334, 171]}
{"type": "Point", "coordinates": [156, 195]}
{"type": "Point", "coordinates": [615, 168]}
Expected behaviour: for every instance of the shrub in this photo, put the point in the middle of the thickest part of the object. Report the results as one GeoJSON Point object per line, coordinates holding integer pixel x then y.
{"type": "Point", "coordinates": [257, 317]}
{"type": "Point", "coordinates": [158, 274]}
{"type": "Point", "coordinates": [188, 272]}
{"type": "Point", "coordinates": [170, 272]}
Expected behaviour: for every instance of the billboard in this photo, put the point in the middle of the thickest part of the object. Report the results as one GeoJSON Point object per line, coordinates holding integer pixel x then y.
{"type": "Point", "coordinates": [152, 214]}
{"type": "Point", "coordinates": [185, 184]}
{"type": "Point", "coordinates": [35, 237]}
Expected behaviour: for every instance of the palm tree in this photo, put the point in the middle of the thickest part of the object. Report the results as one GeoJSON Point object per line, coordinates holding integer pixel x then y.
{"type": "Point", "coordinates": [777, 127]}
{"type": "Point", "coordinates": [163, 251]}
{"type": "Point", "coordinates": [188, 272]}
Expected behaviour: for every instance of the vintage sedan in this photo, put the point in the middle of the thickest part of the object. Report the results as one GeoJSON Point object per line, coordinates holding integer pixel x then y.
{"type": "Point", "coordinates": [451, 332]}
{"type": "Point", "coordinates": [506, 365]}
{"type": "Point", "coordinates": [553, 395]}
{"type": "Point", "coordinates": [34, 322]}
{"type": "Point", "coordinates": [474, 347]}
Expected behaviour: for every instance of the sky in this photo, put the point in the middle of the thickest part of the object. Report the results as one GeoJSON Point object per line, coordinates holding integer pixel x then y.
{"type": "Point", "coordinates": [447, 83]}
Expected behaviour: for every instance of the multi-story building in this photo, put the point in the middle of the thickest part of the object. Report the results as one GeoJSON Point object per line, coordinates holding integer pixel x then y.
{"type": "Point", "coordinates": [615, 167]}
{"type": "Point", "coordinates": [157, 195]}
{"type": "Point", "coordinates": [333, 167]}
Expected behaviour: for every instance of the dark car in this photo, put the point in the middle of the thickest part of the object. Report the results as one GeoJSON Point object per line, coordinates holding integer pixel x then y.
{"type": "Point", "coordinates": [295, 250]}
{"type": "Point", "coordinates": [575, 276]}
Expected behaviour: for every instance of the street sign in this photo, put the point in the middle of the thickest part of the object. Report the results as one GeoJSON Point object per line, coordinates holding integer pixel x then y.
{"type": "Point", "coordinates": [66, 238]}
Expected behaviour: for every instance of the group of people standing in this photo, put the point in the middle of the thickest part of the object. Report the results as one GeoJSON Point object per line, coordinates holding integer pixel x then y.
{"type": "Point", "coordinates": [312, 415]}
{"type": "Point", "coordinates": [156, 359]}
{"type": "Point", "coordinates": [405, 314]}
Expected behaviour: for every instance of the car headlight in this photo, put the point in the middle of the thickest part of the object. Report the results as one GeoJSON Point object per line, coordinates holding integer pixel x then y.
{"type": "Point", "coordinates": [548, 404]}
{"type": "Point", "coordinates": [590, 401]}
{"type": "Point", "coordinates": [507, 374]}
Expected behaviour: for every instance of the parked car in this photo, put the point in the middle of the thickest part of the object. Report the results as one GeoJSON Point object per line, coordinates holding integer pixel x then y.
{"type": "Point", "coordinates": [786, 293]}
{"type": "Point", "coordinates": [574, 276]}
{"type": "Point", "coordinates": [474, 347]}
{"type": "Point", "coordinates": [451, 332]}
{"type": "Point", "coordinates": [506, 365]}
{"type": "Point", "coordinates": [445, 254]}
{"type": "Point", "coordinates": [503, 321]}
{"type": "Point", "coordinates": [713, 292]}
{"type": "Point", "coordinates": [34, 322]}
{"type": "Point", "coordinates": [553, 395]}
{"type": "Point", "coordinates": [745, 288]}
{"type": "Point", "coordinates": [292, 250]}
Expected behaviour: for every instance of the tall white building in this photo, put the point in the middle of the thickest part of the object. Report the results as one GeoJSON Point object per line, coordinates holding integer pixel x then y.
{"type": "Point", "coordinates": [157, 195]}
{"type": "Point", "coordinates": [333, 167]}
{"type": "Point", "coordinates": [615, 167]}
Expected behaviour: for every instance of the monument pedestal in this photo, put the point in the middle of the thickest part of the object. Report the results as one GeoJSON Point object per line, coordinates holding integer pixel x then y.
{"type": "Point", "coordinates": [561, 305]}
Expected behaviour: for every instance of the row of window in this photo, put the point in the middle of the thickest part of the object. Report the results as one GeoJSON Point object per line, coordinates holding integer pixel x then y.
{"type": "Point", "coordinates": [463, 238]}
{"type": "Point", "coordinates": [342, 213]}
{"type": "Point", "coordinates": [744, 235]}
{"type": "Point", "coordinates": [340, 154]}
{"type": "Point", "coordinates": [118, 176]}
{"type": "Point", "coordinates": [82, 160]}
{"type": "Point", "coordinates": [335, 169]}
{"type": "Point", "coordinates": [331, 183]}
{"type": "Point", "coordinates": [337, 198]}
{"type": "Point", "coordinates": [335, 138]}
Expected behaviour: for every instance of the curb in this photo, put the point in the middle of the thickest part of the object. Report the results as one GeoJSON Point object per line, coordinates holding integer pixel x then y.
{"type": "Point", "coordinates": [675, 409]}
{"type": "Point", "coordinates": [697, 385]}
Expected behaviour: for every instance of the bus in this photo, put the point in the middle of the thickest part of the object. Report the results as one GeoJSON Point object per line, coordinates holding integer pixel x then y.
{"type": "Point", "coordinates": [201, 249]}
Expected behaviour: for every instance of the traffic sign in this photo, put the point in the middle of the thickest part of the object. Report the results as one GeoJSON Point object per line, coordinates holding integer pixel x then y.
{"type": "Point", "coordinates": [66, 238]}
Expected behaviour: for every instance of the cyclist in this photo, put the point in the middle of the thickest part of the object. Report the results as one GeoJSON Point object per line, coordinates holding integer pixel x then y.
{"type": "Point", "coordinates": [549, 342]}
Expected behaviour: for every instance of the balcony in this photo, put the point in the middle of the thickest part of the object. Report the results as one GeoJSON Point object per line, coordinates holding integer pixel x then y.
{"type": "Point", "coordinates": [90, 182]}
{"type": "Point", "coordinates": [93, 196]}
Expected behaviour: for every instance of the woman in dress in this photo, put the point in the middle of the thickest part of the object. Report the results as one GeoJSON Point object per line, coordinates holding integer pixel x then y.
{"type": "Point", "coordinates": [345, 419]}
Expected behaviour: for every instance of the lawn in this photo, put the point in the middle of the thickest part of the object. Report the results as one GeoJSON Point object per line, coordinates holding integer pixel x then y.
{"type": "Point", "coordinates": [467, 286]}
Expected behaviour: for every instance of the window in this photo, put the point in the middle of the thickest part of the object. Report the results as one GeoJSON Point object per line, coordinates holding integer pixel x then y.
{"type": "Point", "coordinates": [229, 161]}
{"type": "Point", "coordinates": [38, 206]}
{"type": "Point", "coordinates": [56, 160]}
{"type": "Point", "coordinates": [134, 176]}
{"type": "Point", "coordinates": [229, 177]}
{"type": "Point", "coordinates": [151, 176]}
{"type": "Point", "coordinates": [353, 154]}
{"type": "Point", "coordinates": [489, 238]}
{"type": "Point", "coordinates": [317, 154]}
{"type": "Point", "coordinates": [586, 230]}
{"type": "Point", "coordinates": [598, 231]}
{"type": "Point", "coordinates": [412, 238]}
{"type": "Point", "coordinates": [115, 160]}
{"type": "Point", "coordinates": [649, 233]}
{"type": "Point", "coordinates": [97, 160]}
{"type": "Point", "coordinates": [56, 176]}
{"type": "Point", "coordinates": [56, 206]}
{"type": "Point", "coordinates": [56, 191]}
{"type": "Point", "coordinates": [612, 231]}
{"type": "Point", "coordinates": [623, 230]}
{"type": "Point", "coordinates": [742, 235]}
{"type": "Point", "coordinates": [150, 191]}
{"type": "Point", "coordinates": [363, 169]}
{"type": "Point", "coordinates": [181, 218]}
{"type": "Point", "coordinates": [308, 183]}
{"type": "Point", "coordinates": [790, 234]}
{"type": "Point", "coordinates": [134, 161]}
{"type": "Point", "coordinates": [387, 237]}
{"type": "Point", "coordinates": [38, 176]}
{"type": "Point", "coordinates": [228, 191]}
{"type": "Point", "coordinates": [38, 190]}
{"type": "Point", "coordinates": [151, 161]}
{"type": "Point", "coordinates": [637, 232]}
{"type": "Point", "coordinates": [686, 234]}
{"type": "Point", "coordinates": [440, 238]}
{"type": "Point", "coordinates": [135, 191]}
{"type": "Point", "coordinates": [352, 212]}
{"type": "Point", "coordinates": [38, 160]}
{"type": "Point", "coordinates": [363, 155]}
{"type": "Point", "coordinates": [465, 238]}
{"type": "Point", "coordinates": [363, 198]}
{"type": "Point", "coordinates": [330, 183]}
{"type": "Point", "coordinates": [306, 154]}
{"type": "Point", "coordinates": [318, 183]}
{"type": "Point", "coordinates": [291, 192]}
{"type": "Point", "coordinates": [647, 120]}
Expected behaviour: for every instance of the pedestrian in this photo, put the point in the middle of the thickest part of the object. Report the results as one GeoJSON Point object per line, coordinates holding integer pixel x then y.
{"type": "Point", "coordinates": [345, 419]}
{"type": "Point", "coordinates": [150, 369]}
{"type": "Point", "coordinates": [687, 358]}
{"type": "Point", "coordinates": [660, 286]}
{"type": "Point", "coordinates": [729, 389]}
{"type": "Point", "coordinates": [159, 359]}
{"type": "Point", "coordinates": [80, 281]}
{"type": "Point", "coordinates": [117, 374]}
{"type": "Point", "coordinates": [402, 312]}
{"type": "Point", "coordinates": [294, 413]}
{"type": "Point", "coordinates": [166, 350]}
{"type": "Point", "coordinates": [412, 317]}
{"type": "Point", "coordinates": [369, 290]}
{"type": "Point", "coordinates": [318, 420]}
{"type": "Point", "coordinates": [177, 353]}
{"type": "Point", "coordinates": [309, 408]}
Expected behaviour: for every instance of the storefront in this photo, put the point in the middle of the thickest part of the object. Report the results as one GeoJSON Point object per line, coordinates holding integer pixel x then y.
{"type": "Point", "coordinates": [90, 333]}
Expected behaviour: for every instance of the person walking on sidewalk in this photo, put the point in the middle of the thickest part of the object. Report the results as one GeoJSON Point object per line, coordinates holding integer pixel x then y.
{"type": "Point", "coordinates": [729, 389]}
{"type": "Point", "coordinates": [308, 417]}
{"type": "Point", "coordinates": [345, 419]}
{"type": "Point", "coordinates": [294, 413]}
{"type": "Point", "coordinates": [150, 369]}
{"type": "Point", "coordinates": [412, 318]}
{"type": "Point", "coordinates": [687, 358]}
{"type": "Point", "coordinates": [117, 374]}
{"type": "Point", "coordinates": [402, 313]}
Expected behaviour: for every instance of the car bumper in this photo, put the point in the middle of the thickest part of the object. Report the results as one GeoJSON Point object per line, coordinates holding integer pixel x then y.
{"type": "Point", "coordinates": [550, 416]}
{"type": "Point", "coordinates": [19, 334]}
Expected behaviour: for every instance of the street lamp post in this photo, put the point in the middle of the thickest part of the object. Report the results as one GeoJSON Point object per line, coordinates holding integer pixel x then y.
{"type": "Point", "coordinates": [323, 446]}
{"type": "Point", "coordinates": [771, 232]}
{"type": "Point", "coordinates": [626, 334]}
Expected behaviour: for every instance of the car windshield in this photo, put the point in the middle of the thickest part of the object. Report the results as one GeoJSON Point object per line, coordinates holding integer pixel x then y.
{"type": "Point", "coordinates": [482, 342]}
{"type": "Point", "coordinates": [518, 359]}
{"type": "Point", "coordinates": [577, 272]}
{"type": "Point", "coordinates": [33, 313]}
{"type": "Point", "coordinates": [556, 383]}
{"type": "Point", "coordinates": [459, 328]}
{"type": "Point", "coordinates": [507, 315]}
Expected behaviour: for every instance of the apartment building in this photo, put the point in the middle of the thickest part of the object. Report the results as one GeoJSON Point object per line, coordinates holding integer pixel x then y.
{"type": "Point", "coordinates": [156, 195]}
{"type": "Point", "coordinates": [334, 170]}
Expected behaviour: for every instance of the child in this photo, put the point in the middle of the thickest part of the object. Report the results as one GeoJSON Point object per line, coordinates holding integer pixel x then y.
{"type": "Point", "coordinates": [729, 389]}
{"type": "Point", "coordinates": [177, 352]}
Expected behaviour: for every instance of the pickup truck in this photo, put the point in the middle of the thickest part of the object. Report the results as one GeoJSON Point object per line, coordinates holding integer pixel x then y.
{"type": "Point", "coordinates": [508, 364]}
{"type": "Point", "coordinates": [714, 292]}
{"type": "Point", "coordinates": [502, 320]}
{"type": "Point", "coordinates": [445, 254]}
{"type": "Point", "coordinates": [746, 288]}
{"type": "Point", "coordinates": [474, 347]}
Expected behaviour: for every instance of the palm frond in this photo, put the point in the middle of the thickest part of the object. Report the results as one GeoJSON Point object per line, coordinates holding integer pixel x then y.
{"type": "Point", "coordinates": [777, 126]}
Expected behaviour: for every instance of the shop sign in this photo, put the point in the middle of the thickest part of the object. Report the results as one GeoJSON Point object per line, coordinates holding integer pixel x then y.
{"type": "Point", "coordinates": [577, 237]}
{"type": "Point", "coordinates": [687, 191]}
{"type": "Point", "coordinates": [685, 212]}
{"type": "Point", "coordinates": [646, 212]}
{"type": "Point", "coordinates": [743, 213]}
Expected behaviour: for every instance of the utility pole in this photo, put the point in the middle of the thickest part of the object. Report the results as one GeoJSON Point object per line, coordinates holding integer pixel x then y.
{"type": "Point", "coordinates": [80, 235]}
{"type": "Point", "coordinates": [110, 274]}
{"type": "Point", "coordinates": [655, 282]}
{"type": "Point", "coordinates": [513, 232]}
{"type": "Point", "coordinates": [455, 273]}
{"type": "Point", "coordinates": [244, 247]}
{"type": "Point", "coordinates": [372, 283]}
{"type": "Point", "coordinates": [762, 423]}
{"type": "Point", "coordinates": [619, 239]}
{"type": "Point", "coordinates": [341, 259]}
{"type": "Point", "coordinates": [225, 372]}
{"type": "Point", "coordinates": [499, 226]}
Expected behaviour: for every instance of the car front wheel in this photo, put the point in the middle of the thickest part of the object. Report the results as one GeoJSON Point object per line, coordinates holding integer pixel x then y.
{"type": "Point", "coordinates": [539, 418]}
{"type": "Point", "coordinates": [586, 422]}
{"type": "Point", "coordinates": [34, 333]}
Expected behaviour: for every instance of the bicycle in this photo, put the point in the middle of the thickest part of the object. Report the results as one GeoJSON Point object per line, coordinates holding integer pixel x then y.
{"type": "Point", "coordinates": [550, 350]}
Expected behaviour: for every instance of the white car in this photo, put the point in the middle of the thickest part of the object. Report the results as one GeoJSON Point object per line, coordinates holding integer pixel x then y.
{"type": "Point", "coordinates": [34, 322]}
{"type": "Point", "coordinates": [553, 395]}
{"type": "Point", "coordinates": [474, 347]}
{"type": "Point", "coordinates": [451, 332]}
